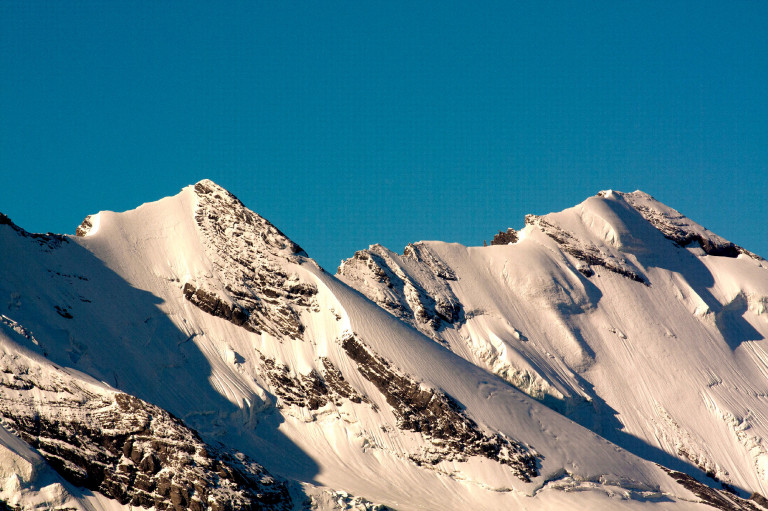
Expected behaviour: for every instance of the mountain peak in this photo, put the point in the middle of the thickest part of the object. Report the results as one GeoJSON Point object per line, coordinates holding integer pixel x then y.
{"type": "Point", "coordinates": [209, 183]}
{"type": "Point", "coordinates": [251, 257]}
{"type": "Point", "coordinates": [206, 187]}
{"type": "Point", "coordinates": [228, 260]}
{"type": "Point", "coordinates": [220, 212]}
{"type": "Point", "coordinates": [196, 304]}
{"type": "Point", "coordinates": [680, 229]}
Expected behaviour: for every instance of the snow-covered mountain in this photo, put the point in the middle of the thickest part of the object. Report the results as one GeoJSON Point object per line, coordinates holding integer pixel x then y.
{"type": "Point", "coordinates": [188, 355]}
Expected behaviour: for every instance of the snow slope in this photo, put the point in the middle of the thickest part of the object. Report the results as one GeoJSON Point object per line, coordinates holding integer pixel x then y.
{"type": "Point", "coordinates": [199, 306]}
{"type": "Point", "coordinates": [620, 313]}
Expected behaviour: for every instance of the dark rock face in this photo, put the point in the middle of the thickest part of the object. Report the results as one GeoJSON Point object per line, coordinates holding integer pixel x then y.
{"type": "Point", "coordinates": [367, 259]}
{"type": "Point", "coordinates": [127, 449]}
{"type": "Point", "coordinates": [215, 306]}
{"type": "Point", "coordinates": [63, 312]}
{"type": "Point", "coordinates": [214, 197]}
{"type": "Point", "coordinates": [337, 384]}
{"type": "Point", "coordinates": [312, 390]}
{"type": "Point", "coordinates": [505, 238]}
{"type": "Point", "coordinates": [585, 251]}
{"type": "Point", "coordinates": [438, 417]}
{"type": "Point", "coordinates": [249, 254]}
{"type": "Point", "coordinates": [718, 499]}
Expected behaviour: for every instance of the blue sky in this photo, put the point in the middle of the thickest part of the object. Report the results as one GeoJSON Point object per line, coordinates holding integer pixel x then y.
{"type": "Point", "coordinates": [352, 123]}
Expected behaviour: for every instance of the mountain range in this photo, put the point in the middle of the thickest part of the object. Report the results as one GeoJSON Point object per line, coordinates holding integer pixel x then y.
{"type": "Point", "coordinates": [188, 355]}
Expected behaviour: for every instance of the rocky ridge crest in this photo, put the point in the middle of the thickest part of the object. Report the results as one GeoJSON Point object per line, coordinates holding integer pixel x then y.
{"type": "Point", "coordinates": [249, 256]}
{"type": "Point", "coordinates": [680, 229]}
{"type": "Point", "coordinates": [428, 303]}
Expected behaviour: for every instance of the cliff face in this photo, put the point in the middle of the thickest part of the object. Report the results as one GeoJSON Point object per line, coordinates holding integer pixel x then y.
{"type": "Point", "coordinates": [125, 448]}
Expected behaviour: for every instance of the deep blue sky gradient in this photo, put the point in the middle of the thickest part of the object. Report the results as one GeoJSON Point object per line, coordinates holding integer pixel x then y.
{"type": "Point", "coordinates": [351, 123]}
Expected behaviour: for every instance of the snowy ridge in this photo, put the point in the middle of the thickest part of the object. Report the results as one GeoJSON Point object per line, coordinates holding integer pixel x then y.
{"type": "Point", "coordinates": [673, 369]}
{"type": "Point", "coordinates": [200, 308]}
{"type": "Point", "coordinates": [678, 228]}
{"type": "Point", "coordinates": [588, 255]}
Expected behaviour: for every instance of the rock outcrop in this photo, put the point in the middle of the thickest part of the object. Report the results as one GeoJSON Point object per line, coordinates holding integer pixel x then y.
{"type": "Point", "coordinates": [438, 417]}
{"type": "Point", "coordinates": [381, 276]}
{"type": "Point", "coordinates": [312, 390]}
{"type": "Point", "coordinates": [505, 238]}
{"type": "Point", "coordinates": [126, 448]}
{"type": "Point", "coordinates": [249, 255]}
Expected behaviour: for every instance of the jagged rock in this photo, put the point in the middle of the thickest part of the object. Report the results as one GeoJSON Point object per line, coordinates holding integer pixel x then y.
{"type": "Point", "coordinates": [676, 227]}
{"type": "Point", "coordinates": [437, 416]}
{"type": "Point", "coordinates": [215, 306]}
{"type": "Point", "coordinates": [85, 227]}
{"type": "Point", "coordinates": [420, 253]}
{"type": "Point", "coordinates": [505, 238]}
{"type": "Point", "coordinates": [759, 499]}
{"type": "Point", "coordinates": [403, 296]}
{"type": "Point", "coordinates": [126, 448]}
{"type": "Point", "coordinates": [718, 499]}
{"type": "Point", "coordinates": [336, 382]}
{"type": "Point", "coordinates": [311, 390]}
{"type": "Point", "coordinates": [248, 253]}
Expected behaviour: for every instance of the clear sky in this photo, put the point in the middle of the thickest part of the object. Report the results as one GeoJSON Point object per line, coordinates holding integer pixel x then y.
{"type": "Point", "coordinates": [352, 123]}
